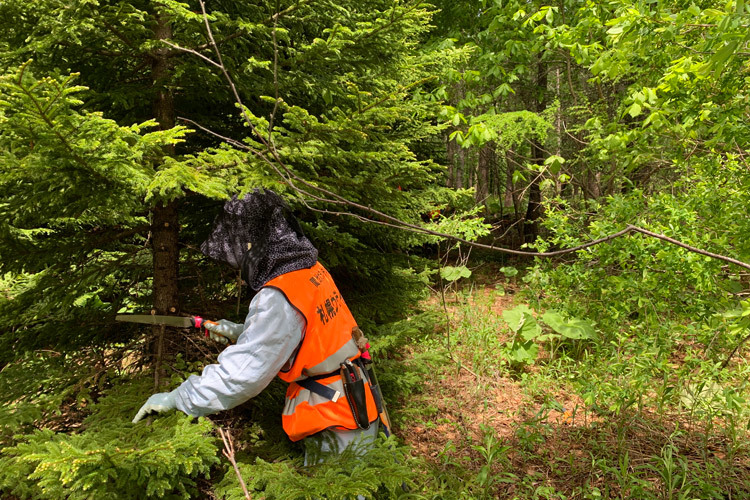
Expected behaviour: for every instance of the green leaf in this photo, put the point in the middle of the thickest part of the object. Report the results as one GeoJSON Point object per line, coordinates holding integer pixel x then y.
{"type": "Point", "coordinates": [518, 177]}
{"type": "Point", "coordinates": [554, 163]}
{"type": "Point", "coordinates": [515, 317]}
{"type": "Point", "coordinates": [524, 353]}
{"type": "Point", "coordinates": [635, 110]}
{"type": "Point", "coordinates": [327, 98]}
{"type": "Point", "coordinates": [509, 271]}
{"type": "Point", "coordinates": [451, 273]}
{"type": "Point", "coordinates": [573, 328]}
{"type": "Point", "coordinates": [530, 329]}
{"type": "Point", "coordinates": [554, 320]}
{"type": "Point", "coordinates": [734, 313]}
{"type": "Point", "coordinates": [720, 58]}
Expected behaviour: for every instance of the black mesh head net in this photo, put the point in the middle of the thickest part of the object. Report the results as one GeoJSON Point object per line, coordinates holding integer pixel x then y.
{"type": "Point", "coordinates": [259, 235]}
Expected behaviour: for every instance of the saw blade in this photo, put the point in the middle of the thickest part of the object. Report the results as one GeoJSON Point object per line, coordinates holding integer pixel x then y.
{"type": "Point", "coordinates": [155, 319]}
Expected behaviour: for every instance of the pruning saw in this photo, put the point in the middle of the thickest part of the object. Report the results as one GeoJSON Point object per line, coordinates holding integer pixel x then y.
{"type": "Point", "coordinates": [176, 321]}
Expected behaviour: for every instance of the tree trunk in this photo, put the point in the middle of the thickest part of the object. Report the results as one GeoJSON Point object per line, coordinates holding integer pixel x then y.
{"type": "Point", "coordinates": [451, 152]}
{"type": "Point", "coordinates": [509, 199]}
{"type": "Point", "coordinates": [534, 209]}
{"type": "Point", "coordinates": [485, 164]}
{"type": "Point", "coordinates": [164, 217]}
{"type": "Point", "coordinates": [164, 222]}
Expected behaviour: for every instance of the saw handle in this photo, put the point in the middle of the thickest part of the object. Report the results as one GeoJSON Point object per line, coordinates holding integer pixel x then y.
{"type": "Point", "coordinates": [207, 322]}
{"type": "Point", "coordinates": [201, 323]}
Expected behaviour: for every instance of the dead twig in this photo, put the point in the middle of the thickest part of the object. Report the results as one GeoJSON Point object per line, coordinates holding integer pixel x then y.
{"type": "Point", "coordinates": [159, 356]}
{"type": "Point", "coordinates": [731, 355]}
{"type": "Point", "coordinates": [688, 247]}
{"type": "Point", "coordinates": [228, 452]}
{"type": "Point", "coordinates": [448, 316]}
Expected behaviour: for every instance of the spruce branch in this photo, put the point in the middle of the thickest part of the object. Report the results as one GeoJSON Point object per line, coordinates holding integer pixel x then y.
{"type": "Point", "coordinates": [118, 34]}
{"type": "Point", "coordinates": [28, 92]}
{"type": "Point", "coordinates": [394, 20]}
{"type": "Point", "coordinates": [272, 117]}
{"type": "Point", "coordinates": [228, 452]}
{"type": "Point", "coordinates": [286, 11]}
{"type": "Point", "coordinates": [323, 195]}
{"type": "Point", "coordinates": [392, 95]}
{"type": "Point", "coordinates": [271, 19]}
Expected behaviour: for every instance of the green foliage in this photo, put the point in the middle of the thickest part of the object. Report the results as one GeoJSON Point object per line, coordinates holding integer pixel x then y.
{"type": "Point", "coordinates": [464, 225]}
{"type": "Point", "coordinates": [572, 328]}
{"type": "Point", "coordinates": [110, 457]}
{"type": "Point", "coordinates": [505, 130]}
{"type": "Point", "coordinates": [380, 472]}
{"type": "Point", "coordinates": [454, 273]}
{"type": "Point", "coordinates": [337, 88]}
{"type": "Point", "coordinates": [619, 112]}
{"type": "Point", "coordinates": [524, 347]}
{"type": "Point", "coordinates": [646, 279]}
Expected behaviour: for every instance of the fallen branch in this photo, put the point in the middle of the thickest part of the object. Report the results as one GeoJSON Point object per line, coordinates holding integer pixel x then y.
{"type": "Point", "coordinates": [228, 452]}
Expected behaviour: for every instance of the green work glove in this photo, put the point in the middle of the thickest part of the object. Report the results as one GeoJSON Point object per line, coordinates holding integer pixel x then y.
{"type": "Point", "coordinates": [223, 331]}
{"type": "Point", "coordinates": [158, 403]}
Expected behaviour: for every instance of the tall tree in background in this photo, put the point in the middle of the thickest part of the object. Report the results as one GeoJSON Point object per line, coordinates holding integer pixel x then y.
{"type": "Point", "coordinates": [503, 103]}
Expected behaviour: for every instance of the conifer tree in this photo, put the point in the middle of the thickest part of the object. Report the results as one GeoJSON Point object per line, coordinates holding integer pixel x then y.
{"type": "Point", "coordinates": [330, 84]}
{"type": "Point", "coordinates": [112, 181]}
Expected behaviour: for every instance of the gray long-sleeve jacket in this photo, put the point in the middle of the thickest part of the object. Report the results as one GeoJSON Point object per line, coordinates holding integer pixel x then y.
{"type": "Point", "coordinates": [272, 331]}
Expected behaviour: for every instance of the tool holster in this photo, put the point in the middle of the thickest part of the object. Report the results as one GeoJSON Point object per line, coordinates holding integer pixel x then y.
{"type": "Point", "coordinates": [355, 391]}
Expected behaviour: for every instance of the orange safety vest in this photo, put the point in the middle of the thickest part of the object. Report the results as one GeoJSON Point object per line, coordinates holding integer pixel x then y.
{"type": "Point", "coordinates": [326, 343]}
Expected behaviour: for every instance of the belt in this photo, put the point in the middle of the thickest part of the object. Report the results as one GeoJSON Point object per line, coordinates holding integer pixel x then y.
{"type": "Point", "coordinates": [311, 383]}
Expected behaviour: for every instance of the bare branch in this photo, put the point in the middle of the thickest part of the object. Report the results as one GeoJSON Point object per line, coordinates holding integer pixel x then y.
{"type": "Point", "coordinates": [226, 139]}
{"type": "Point", "coordinates": [574, 137]}
{"type": "Point", "coordinates": [228, 452]}
{"type": "Point", "coordinates": [205, 46]}
{"type": "Point", "coordinates": [688, 247]}
{"type": "Point", "coordinates": [194, 52]}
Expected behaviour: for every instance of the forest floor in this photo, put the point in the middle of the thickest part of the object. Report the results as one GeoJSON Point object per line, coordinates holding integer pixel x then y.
{"type": "Point", "coordinates": [498, 433]}
{"type": "Point", "coordinates": [464, 408]}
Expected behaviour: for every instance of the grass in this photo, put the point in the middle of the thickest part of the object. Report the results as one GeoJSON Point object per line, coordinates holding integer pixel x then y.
{"type": "Point", "coordinates": [641, 412]}
{"type": "Point", "coordinates": [645, 416]}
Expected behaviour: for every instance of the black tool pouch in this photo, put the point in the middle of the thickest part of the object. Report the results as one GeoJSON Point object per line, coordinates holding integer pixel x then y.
{"type": "Point", "coordinates": [367, 368]}
{"type": "Point", "coordinates": [354, 388]}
